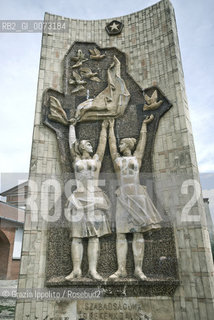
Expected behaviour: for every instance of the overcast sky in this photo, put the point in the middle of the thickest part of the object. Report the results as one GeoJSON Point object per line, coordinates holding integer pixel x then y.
{"type": "Point", "coordinates": [19, 61]}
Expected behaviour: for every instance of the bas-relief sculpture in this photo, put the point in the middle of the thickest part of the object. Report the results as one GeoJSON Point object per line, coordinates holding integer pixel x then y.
{"type": "Point", "coordinates": [88, 203]}
{"type": "Point", "coordinates": [111, 102]}
{"type": "Point", "coordinates": [135, 212]}
{"type": "Point", "coordinates": [151, 102]}
{"type": "Point", "coordinates": [89, 206]}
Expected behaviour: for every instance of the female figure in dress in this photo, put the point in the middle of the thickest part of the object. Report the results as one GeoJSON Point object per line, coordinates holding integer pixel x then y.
{"type": "Point", "coordinates": [88, 204]}
{"type": "Point", "coordinates": [135, 211]}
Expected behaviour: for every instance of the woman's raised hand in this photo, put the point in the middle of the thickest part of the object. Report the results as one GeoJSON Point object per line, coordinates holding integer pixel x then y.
{"type": "Point", "coordinates": [149, 119]}
{"type": "Point", "coordinates": [111, 122]}
{"type": "Point", "coordinates": [105, 123]}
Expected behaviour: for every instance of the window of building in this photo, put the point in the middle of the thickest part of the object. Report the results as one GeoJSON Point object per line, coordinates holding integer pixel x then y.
{"type": "Point", "coordinates": [18, 243]}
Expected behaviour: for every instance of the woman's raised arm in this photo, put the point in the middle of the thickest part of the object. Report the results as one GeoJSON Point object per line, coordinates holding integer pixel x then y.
{"type": "Point", "coordinates": [102, 140]}
{"type": "Point", "coordinates": [72, 140]}
{"type": "Point", "coordinates": [112, 141]}
{"type": "Point", "coordinates": [139, 152]}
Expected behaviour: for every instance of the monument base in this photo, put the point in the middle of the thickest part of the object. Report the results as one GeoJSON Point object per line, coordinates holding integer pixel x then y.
{"type": "Point", "coordinates": [144, 308]}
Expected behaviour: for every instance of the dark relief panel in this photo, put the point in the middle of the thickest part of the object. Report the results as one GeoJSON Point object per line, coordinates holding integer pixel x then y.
{"type": "Point", "coordinates": [86, 68]}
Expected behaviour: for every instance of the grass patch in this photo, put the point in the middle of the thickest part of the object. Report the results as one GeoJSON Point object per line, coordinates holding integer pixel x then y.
{"type": "Point", "coordinates": [7, 308]}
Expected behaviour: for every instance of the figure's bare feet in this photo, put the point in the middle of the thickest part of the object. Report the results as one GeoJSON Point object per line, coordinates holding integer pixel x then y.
{"type": "Point", "coordinates": [118, 274]}
{"type": "Point", "coordinates": [95, 275]}
{"type": "Point", "coordinates": [74, 275]}
{"type": "Point", "coordinates": [140, 275]}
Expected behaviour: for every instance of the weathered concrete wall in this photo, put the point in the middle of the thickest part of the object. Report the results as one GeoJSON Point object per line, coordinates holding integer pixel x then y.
{"type": "Point", "coordinates": [150, 41]}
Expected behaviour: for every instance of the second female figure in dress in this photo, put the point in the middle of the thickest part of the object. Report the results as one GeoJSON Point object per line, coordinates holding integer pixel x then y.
{"type": "Point", "coordinates": [135, 211]}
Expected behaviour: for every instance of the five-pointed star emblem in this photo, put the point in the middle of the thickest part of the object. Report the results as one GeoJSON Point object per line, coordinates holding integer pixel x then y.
{"type": "Point", "coordinates": [114, 26]}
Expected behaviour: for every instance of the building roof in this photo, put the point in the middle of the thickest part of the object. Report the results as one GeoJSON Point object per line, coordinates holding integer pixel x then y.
{"type": "Point", "coordinates": [12, 213]}
{"type": "Point", "coordinates": [11, 220]}
{"type": "Point", "coordinates": [15, 189]}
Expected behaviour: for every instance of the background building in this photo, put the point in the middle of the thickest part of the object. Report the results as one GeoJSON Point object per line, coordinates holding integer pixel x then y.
{"type": "Point", "coordinates": [12, 215]}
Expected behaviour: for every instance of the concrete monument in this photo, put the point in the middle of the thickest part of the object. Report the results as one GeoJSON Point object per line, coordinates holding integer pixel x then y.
{"type": "Point", "coordinates": [115, 224]}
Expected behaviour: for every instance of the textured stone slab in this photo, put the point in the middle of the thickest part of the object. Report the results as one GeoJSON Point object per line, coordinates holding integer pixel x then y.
{"type": "Point", "coordinates": [124, 309]}
{"type": "Point", "coordinates": [122, 287]}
